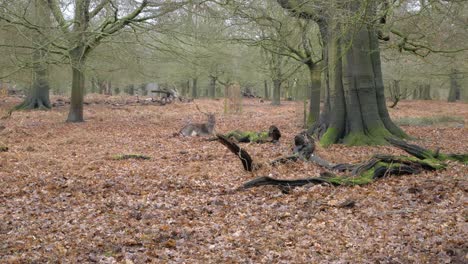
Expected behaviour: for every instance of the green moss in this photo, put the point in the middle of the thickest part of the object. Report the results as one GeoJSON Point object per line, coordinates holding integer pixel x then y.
{"type": "Point", "coordinates": [457, 157]}
{"type": "Point", "coordinates": [362, 179]}
{"type": "Point", "coordinates": [248, 136]}
{"type": "Point", "coordinates": [429, 162]}
{"type": "Point", "coordinates": [130, 156]}
{"type": "Point", "coordinates": [378, 135]}
{"type": "Point", "coordinates": [367, 176]}
{"type": "Point", "coordinates": [358, 139]}
{"type": "Point", "coordinates": [374, 136]}
{"type": "Point", "coordinates": [330, 137]}
{"type": "Point", "coordinates": [3, 148]}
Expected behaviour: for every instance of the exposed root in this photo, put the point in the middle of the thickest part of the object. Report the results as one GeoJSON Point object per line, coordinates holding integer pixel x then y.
{"type": "Point", "coordinates": [244, 157]}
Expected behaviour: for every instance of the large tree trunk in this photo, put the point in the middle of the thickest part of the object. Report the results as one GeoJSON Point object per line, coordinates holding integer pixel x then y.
{"type": "Point", "coordinates": [355, 110]}
{"type": "Point", "coordinates": [78, 87]}
{"type": "Point", "coordinates": [276, 92]}
{"type": "Point", "coordinates": [334, 117]}
{"type": "Point", "coordinates": [194, 88]}
{"type": "Point", "coordinates": [265, 85]}
{"type": "Point", "coordinates": [38, 96]}
{"type": "Point", "coordinates": [358, 113]}
{"type": "Point", "coordinates": [454, 92]}
{"type": "Point", "coordinates": [425, 92]}
{"type": "Point", "coordinates": [314, 94]}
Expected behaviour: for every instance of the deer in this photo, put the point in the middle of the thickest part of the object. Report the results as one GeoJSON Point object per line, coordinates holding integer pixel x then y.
{"type": "Point", "coordinates": [200, 129]}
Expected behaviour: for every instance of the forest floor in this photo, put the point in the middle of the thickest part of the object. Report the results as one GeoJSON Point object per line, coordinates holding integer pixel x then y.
{"type": "Point", "coordinates": [65, 198]}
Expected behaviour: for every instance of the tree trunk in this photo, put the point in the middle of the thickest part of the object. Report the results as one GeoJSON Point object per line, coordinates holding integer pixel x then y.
{"type": "Point", "coordinates": [186, 88]}
{"type": "Point", "coordinates": [212, 89]}
{"type": "Point", "coordinates": [94, 84]}
{"type": "Point", "coordinates": [78, 88]}
{"type": "Point", "coordinates": [143, 90]}
{"type": "Point", "coordinates": [276, 92]}
{"type": "Point", "coordinates": [131, 89]}
{"type": "Point", "coordinates": [38, 96]}
{"type": "Point", "coordinates": [265, 85]}
{"type": "Point", "coordinates": [314, 94]}
{"type": "Point", "coordinates": [194, 88]}
{"type": "Point", "coordinates": [425, 93]}
{"type": "Point", "coordinates": [454, 92]}
{"type": "Point", "coordinates": [334, 118]}
{"type": "Point", "coordinates": [358, 113]}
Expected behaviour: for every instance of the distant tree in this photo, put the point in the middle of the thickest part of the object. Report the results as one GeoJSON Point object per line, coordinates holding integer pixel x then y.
{"type": "Point", "coordinates": [38, 93]}
{"type": "Point", "coordinates": [81, 25]}
{"type": "Point", "coordinates": [455, 91]}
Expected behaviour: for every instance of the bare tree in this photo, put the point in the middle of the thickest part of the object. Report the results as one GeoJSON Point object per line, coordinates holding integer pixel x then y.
{"type": "Point", "coordinates": [81, 25]}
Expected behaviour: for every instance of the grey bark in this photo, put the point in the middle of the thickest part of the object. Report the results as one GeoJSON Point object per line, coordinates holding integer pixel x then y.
{"type": "Point", "coordinates": [212, 88]}
{"type": "Point", "coordinates": [276, 92]}
{"type": "Point", "coordinates": [194, 88]}
{"type": "Point", "coordinates": [355, 110]}
{"type": "Point", "coordinates": [265, 85]}
{"type": "Point", "coordinates": [78, 87]}
{"type": "Point", "coordinates": [314, 94]}
{"type": "Point", "coordinates": [38, 96]}
{"type": "Point", "coordinates": [454, 92]}
{"type": "Point", "coordinates": [425, 92]}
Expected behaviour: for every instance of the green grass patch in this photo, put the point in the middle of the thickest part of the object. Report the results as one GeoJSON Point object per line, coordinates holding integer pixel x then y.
{"type": "Point", "coordinates": [3, 148]}
{"type": "Point", "coordinates": [130, 156]}
{"type": "Point", "coordinates": [429, 121]}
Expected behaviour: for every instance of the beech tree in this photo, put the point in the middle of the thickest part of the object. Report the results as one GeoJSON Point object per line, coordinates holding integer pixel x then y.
{"type": "Point", "coordinates": [35, 44]}
{"type": "Point", "coordinates": [81, 36]}
{"type": "Point", "coordinates": [355, 110]}
{"type": "Point", "coordinates": [79, 26]}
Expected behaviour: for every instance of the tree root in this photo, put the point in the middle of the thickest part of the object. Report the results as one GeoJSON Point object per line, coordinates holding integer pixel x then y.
{"type": "Point", "coordinates": [377, 167]}
{"type": "Point", "coordinates": [31, 103]}
{"type": "Point", "coordinates": [425, 154]}
{"type": "Point", "coordinates": [244, 157]}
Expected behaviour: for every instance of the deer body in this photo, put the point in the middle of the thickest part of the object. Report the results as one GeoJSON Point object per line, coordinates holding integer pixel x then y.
{"type": "Point", "coordinates": [203, 129]}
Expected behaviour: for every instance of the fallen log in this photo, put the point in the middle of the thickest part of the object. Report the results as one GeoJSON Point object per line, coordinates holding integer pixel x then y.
{"type": "Point", "coordinates": [363, 173]}
{"type": "Point", "coordinates": [377, 167]}
{"type": "Point", "coordinates": [272, 135]}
